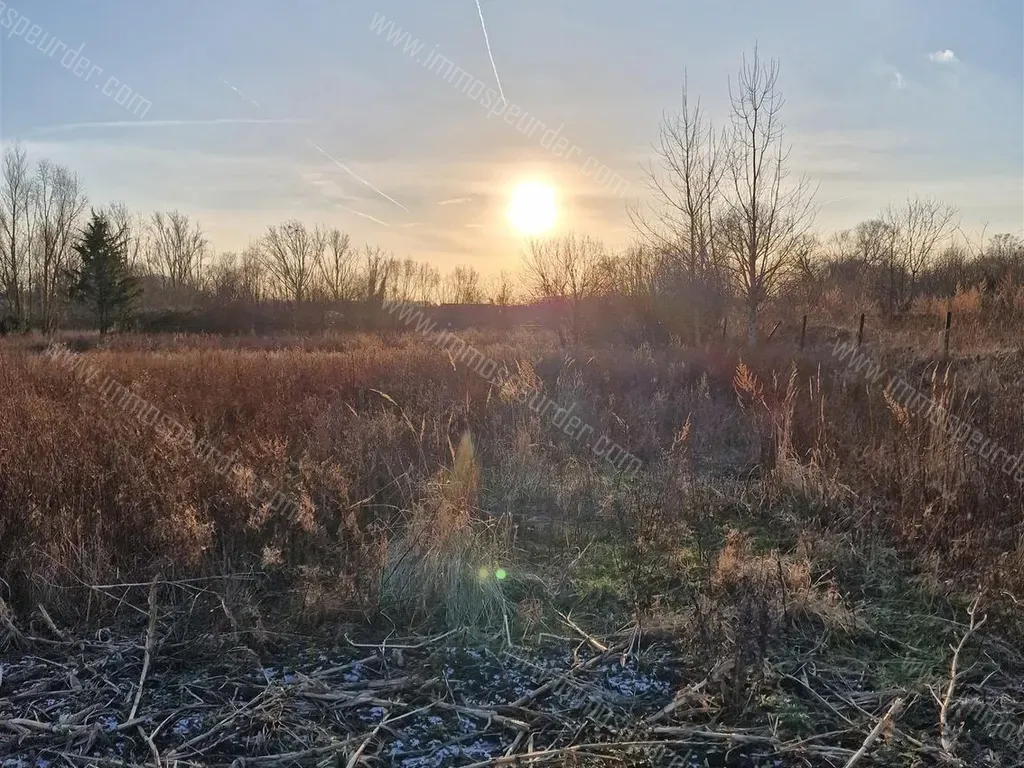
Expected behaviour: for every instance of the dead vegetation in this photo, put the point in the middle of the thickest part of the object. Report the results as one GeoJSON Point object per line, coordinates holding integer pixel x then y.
{"type": "Point", "coordinates": [789, 573]}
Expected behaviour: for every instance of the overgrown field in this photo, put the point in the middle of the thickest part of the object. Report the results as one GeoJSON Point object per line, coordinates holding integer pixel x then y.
{"type": "Point", "coordinates": [797, 550]}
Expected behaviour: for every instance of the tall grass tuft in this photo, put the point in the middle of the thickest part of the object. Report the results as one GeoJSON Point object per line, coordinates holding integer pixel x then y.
{"type": "Point", "coordinates": [444, 566]}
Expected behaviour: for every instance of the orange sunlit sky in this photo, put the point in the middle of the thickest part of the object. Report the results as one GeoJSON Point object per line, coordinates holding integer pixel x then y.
{"type": "Point", "coordinates": [344, 114]}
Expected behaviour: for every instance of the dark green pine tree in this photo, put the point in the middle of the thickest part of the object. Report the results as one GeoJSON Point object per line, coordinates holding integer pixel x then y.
{"type": "Point", "coordinates": [102, 280]}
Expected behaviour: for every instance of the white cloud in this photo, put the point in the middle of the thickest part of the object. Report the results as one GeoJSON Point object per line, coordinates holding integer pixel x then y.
{"type": "Point", "coordinates": [943, 57]}
{"type": "Point", "coordinates": [456, 201]}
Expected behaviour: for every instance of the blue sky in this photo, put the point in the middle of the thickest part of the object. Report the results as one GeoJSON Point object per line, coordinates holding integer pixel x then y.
{"type": "Point", "coordinates": [871, 116]}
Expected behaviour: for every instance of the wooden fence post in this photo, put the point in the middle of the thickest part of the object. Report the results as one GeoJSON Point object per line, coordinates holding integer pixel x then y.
{"type": "Point", "coordinates": [803, 333]}
{"type": "Point", "coordinates": [860, 331]}
{"type": "Point", "coordinates": [725, 326]}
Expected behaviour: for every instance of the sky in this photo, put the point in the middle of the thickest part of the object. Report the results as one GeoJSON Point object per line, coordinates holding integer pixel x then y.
{"type": "Point", "coordinates": [256, 112]}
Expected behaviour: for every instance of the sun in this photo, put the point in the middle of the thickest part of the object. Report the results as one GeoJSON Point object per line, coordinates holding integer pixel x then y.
{"type": "Point", "coordinates": [532, 209]}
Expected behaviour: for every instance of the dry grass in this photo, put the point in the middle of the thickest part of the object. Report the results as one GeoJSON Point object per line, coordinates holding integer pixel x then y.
{"type": "Point", "coordinates": [359, 433]}
{"type": "Point", "coordinates": [444, 561]}
{"type": "Point", "coordinates": [786, 508]}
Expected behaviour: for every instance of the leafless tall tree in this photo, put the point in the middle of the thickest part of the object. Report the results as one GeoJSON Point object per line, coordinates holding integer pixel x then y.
{"type": "Point", "coordinates": [378, 268]}
{"type": "Point", "coordinates": [337, 267]}
{"type": "Point", "coordinates": [15, 211]}
{"type": "Point", "coordinates": [685, 187]}
{"type": "Point", "coordinates": [253, 277]}
{"type": "Point", "coordinates": [177, 249]}
{"type": "Point", "coordinates": [686, 190]}
{"type": "Point", "coordinates": [235, 278]}
{"type": "Point", "coordinates": [568, 268]}
{"type": "Point", "coordinates": [872, 253]}
{"type": "Point", "coordinates": [222, 277]}
{"type": "Point", "coordinates": [873, 242]}
{"type": "Point", "coordinates": [413, 280]}
{"type": "Point", "coordinates": [57, 204]}
{"type": "Point", "coordinates": [403, 286]}
{"type": "Point", "coordinates": [645, 288]}
{"type": "Point", "coordinates": [916, 228]}
{"type": "Point", "coordinates": [462, 286]}
{"type": "Point", "coordinates": [767, 214]}
{"type": "Point", "coordinates": [427, 283]}
{"type": "Point", "coordinates": [501, 290]}
{"type": "Point", "coordinates": [134, 229]}
{"type": "Point", "coordinates": [291, 255]}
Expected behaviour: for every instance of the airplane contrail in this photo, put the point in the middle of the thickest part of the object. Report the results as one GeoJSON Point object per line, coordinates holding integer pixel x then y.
{"type": "Point", "coordinates": [364, 215]}
{"type": "Point", "coordinates": [162, 124]}
{"type": "Point", "coordinates": [356, 176]}
{"type": "Point", "coordinates": [341, 165]}
{"type": "Point", "coordinates": [487, 42]}
{"type": "Point", "coordinates": [239, 92]}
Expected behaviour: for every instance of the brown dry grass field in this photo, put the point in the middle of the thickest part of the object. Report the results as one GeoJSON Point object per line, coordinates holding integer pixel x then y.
{"type": "Point", "coordinates": [400, 550]}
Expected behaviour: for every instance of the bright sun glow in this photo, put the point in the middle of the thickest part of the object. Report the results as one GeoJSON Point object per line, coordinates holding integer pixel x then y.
{"type": "Point", "coordinates": [532, 209]}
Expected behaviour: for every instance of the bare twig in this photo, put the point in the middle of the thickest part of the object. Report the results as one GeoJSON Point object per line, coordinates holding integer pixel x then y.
{"type": "Point", "coordinates": [354, 760]}
{"type": "Point", "coordinates": [585, 635]}
{"type": "Point", "coordinates": [947, 733]}
{"type": "Point", "coordinates": [150, 637]}
{"type": "Point", "coordinates": [50, 623]}
{"type": "Point", "coordinates": [887, 719]}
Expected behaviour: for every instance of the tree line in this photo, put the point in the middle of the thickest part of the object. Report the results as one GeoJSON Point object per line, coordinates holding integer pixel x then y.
{"type": "Point", "coordinates": [166, 259]}
{"type": "Point", "coordinates": [727, 229]}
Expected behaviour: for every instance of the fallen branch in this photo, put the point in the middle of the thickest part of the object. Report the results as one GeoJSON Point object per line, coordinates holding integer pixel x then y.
{"type": "Point", "coordinates": [150, 637]}
{"type": "Point", "coordinates": [948, 735]}
{"type": "Point", "coordinates": [887, 719]}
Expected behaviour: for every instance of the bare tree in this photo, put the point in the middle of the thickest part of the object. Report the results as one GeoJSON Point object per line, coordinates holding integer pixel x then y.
{"type": "Point", "coordinates": [803, 285]}
{"type": "Point", "coordinates": [948, 273]}
{"type": "Point", "coordinates": [253, 277]}
{"type": "Point", "coordinates": [767, 217]}
{"type": "Point", "coordinates": [58, 203]}
{"type": "Point", "coordinates": [427, 283]}
{"type": "Point", "coordinates": [337, 267]}
{"type": "Point", "coordinates": [915, 229]}
{"type": "Point", "coordinates": [177, 249]}
{"type": "Point", "coordinates": [645, 286]}
{"type": "Point", "coordinates": [15, 234]}
{"type": "Point", "coordinates": [686, 192]}
{"type": "Point", "coordinates": [685, 187]}
{"type": "Point", "coordinates": [235, 278]}
{"type": "Point", "coordinates": [1005, 249]}
{"type": "Point", "coordinates": [501, 291]}
{"type": "Point", "coordinates": [135, 230]}
{"type": "Point", "coordinates": [378, 268]}
{"type": "Point", "coordinates": [462, 286]}
{"type": "Point", "coordinates": [222, 277]}
{"type": "Point", "coordinates": [571, 269]}
{"type": "Point", "coordinates": [403, 286]}
{"type": "Point", "coordinates": [291, 255]}
{"type": "Point", "coordinates": [873, 254]}
{"type": "Point", "coordinates": [873, 242]}
{"type": "Point", "coordinates": [638, 272]}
